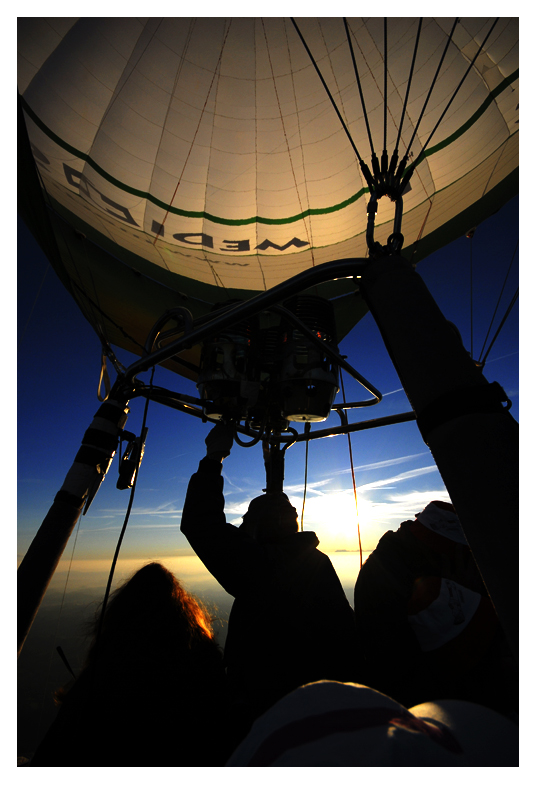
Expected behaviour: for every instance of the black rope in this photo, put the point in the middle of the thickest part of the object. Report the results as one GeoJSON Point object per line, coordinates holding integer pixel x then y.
{"type": "Point", "coordinates": [385, 80]}
{"type": "Point", "coordinates": [121, 535]}
{"type": "Point", "coordinates": [420, 156]}
{"type": "Point", "coordinates": [359, 86]}
{"type": "Point", "coordinates": [109, 351]}
{"type": "Point", "coordinates": [511, 304]}
{"type": "Point", "coordinates": [455, 23]}
{"type": "Point", "coordinates": [498, 303]}
{"type": "Point", "coordinates": [363, 165]}
{"type": "Point", "coordinates": [384, 179]}
{"type": "Point", "coordinates": [344, 416]}
{"type": "Point", "coordinates": [326, 88]}
{"type": "Point", "coordinates": [410, 76]}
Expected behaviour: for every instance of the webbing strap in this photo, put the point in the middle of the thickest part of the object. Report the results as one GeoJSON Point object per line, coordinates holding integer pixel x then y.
{"type": "Point", "coordinates": [478, 399]}
{"type": "Point", "coordinates": [103, 378]}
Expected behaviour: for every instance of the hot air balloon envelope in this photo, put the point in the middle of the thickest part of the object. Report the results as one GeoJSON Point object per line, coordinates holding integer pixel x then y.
{"type": "Point", "coordinates": [185, 162]}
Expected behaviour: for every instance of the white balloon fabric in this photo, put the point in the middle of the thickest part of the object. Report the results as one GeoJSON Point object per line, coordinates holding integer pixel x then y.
{"type": "Point", "coordinates": [207, 156]}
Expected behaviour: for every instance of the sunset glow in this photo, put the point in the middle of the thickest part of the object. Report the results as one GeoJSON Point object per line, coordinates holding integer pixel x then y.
{"type": "Point", "coordinates": [263, 259]}
{"type": "Point", "coordinates": [333, 516]}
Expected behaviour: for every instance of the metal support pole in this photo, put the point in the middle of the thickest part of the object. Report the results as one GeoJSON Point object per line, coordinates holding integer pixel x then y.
{"type": "Point", "coordinates": [39, 564]}
{"type": "Point", "coordinates": [274, 459]}
{"type": "Point", "coordinates": [474, 441]}
{"type": "Point", "coordinates": [78, 490]}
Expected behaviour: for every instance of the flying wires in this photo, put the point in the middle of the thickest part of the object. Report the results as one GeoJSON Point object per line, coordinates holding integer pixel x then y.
{"type": "Point", "coordinates": [390, 179]}
{"type": "Point", "coordinates": [483, 355]}
{"type": "Point", "coordinates": [123, 530]}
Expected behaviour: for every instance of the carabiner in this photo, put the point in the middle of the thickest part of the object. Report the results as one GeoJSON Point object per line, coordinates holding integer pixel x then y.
{"type": "Point", "coordinates": [395, 240]}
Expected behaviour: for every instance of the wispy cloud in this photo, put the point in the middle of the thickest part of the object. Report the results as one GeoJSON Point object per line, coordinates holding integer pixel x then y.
{"type": "Point", "coordinates": [397, 478]}
{"type": "Point", "coordinates": [503, 357]}
{"type": "Point", "coordinates": [382, 464]}
{"type": "Point", "coordinates": [139, 526]}
{"type": "Point", "coordinates": [166, 508]}
{"type": "Point", "coordinates": [419, 497]}
{"type": "Point", "coordinates": [322, 491]}
{"type": "Point", "coordinates": [312, 486]}
{"type": "Point", "coordinates": [404, 506]}
{"type": "Point", "coordinates": [155, 525]}
{"type": "Point", "coordinates": [229, 481]}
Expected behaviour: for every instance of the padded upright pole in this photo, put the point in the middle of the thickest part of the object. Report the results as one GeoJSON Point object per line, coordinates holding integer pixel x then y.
{"type": "Point", "coordinates": [274, 458]}
{"type": "Point", "coordinates": [80, 486]}
{"type": "Point", "coordinates": [463, 420]}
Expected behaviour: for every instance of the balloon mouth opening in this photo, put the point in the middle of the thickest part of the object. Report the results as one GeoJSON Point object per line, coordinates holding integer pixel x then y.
{"type": "Point", "coordinates": [280, 373]}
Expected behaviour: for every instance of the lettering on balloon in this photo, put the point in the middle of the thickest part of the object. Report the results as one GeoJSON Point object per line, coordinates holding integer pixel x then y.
{"type": "Point", "coordinates": [201, 238]}
{"type": "Point", "coordinates": [268, 244]}
{"type": "Point", "coordinates": [85, 186]}
{"type": "Point", "coordinates": [205, 239]}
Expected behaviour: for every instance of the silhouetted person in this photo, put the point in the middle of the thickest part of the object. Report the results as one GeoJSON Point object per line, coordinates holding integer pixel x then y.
{"type": "Point", "coordinates": [427, 624]}
{"type": "Point", "coordinates": [290, 622]}
{"type": "Point", "coordinates": [152, 691]}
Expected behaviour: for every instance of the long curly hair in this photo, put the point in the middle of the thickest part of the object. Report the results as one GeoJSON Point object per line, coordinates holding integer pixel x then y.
{"type": "Point", "coordinates": [153, 687]}
{"type": "Point", "coordinates": [151, 624]}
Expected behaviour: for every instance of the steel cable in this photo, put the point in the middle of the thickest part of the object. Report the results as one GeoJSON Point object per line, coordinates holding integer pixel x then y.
{"type": "Point", "coordinates": [497, 306]}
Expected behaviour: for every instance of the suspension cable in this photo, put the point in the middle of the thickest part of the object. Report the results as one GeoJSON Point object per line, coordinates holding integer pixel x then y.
{"type": "Point", "coordinates": [22, 334]}
{"type": "Point", "coordinates": [200, 119]}
{"type": "Point", "coordinates": [121, 535]}
{"type": "Point", "coordinates": [410, 76]}
{"type": "Point", "coordinates": [420, 156]}
{"type": "Point", "coordinates": [307, 428]}
{"type": "Point", "coordinates": [40, 721]}
{"type": "Point", "coordinates": [385, 81]}
{"type": "Point", "coordinates": [455, 23]}
{"type": "Point", "coordinates": [351, 140]}
{"type": "Point", "coordinates": [344, 414]}
{"type": "Point", "coordinates": [511, 304]}
{"type": "Point", "coordinates": [498, 303]}
{"type": "Point", "coordinates": [359, 86]}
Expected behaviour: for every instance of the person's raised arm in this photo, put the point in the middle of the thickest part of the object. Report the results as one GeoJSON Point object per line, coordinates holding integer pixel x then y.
{"type": "Point", "coordinates": [219, 442]}
{"type": "Point", "coordinates": [233, 558]}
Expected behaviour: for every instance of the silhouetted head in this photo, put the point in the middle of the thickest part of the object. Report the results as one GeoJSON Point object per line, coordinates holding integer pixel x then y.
{"type": "Point", "coordinates": [441, 518]}
{"type": "Point", "coordinates": [153, 602]}
{"type": "Point", "coordinates": [156, 666]}
{"type": "Point", "coordinates": [447, 506]}
{"type": "Point", "coordinates": [151, 623]}
{"type": "Point", "coordinates": [270, 517]}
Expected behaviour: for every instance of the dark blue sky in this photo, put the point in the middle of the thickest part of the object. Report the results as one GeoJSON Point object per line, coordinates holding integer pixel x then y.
{"type": "Point", "coordinates": [58, 374]}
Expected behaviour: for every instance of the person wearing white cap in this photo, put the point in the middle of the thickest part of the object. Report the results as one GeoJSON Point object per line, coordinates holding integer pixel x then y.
{"type": "Point", "coordinates": [290, 622]}
{"type": "Point", "coordinates": [427, 624]}
{"type": "Point", "coordinates": [329, 724]}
